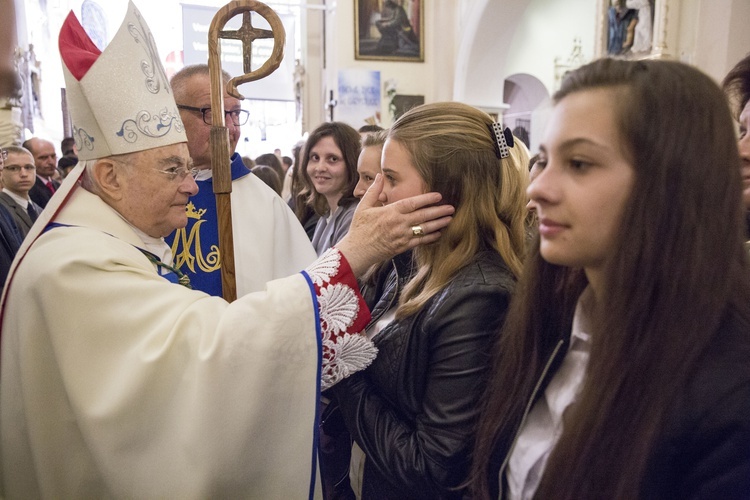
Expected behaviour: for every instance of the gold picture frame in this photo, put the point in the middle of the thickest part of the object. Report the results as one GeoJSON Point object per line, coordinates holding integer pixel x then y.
{"type": "Point", "coordinates": [642, 42]}
{"type": "Point", "coordinates": [389, 30]}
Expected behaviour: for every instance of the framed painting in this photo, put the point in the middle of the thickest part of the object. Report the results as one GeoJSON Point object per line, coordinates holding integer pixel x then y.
{"type": "Point", "coordinates": [632, 29]}
{"type": "Point", "coordinates": [389, 30]}
{"type": "Point", "coordinates": [404, 103]}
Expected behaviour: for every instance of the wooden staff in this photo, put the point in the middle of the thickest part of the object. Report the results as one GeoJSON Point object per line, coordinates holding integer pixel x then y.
{"type": "Point", "coordinates": [220, 163]}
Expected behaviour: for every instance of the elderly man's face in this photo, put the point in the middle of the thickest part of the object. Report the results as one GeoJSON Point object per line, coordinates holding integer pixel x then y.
{"type": "Point", "coordinates": [153, 197]}
{"type": "Point", "coordinates": [197, 93]}
{"type": "Point", "coordinates": [45, 157]}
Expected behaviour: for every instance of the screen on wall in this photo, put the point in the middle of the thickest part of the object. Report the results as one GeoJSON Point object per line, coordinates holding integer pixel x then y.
{"type": "Point", "coordinates": [279, 86]}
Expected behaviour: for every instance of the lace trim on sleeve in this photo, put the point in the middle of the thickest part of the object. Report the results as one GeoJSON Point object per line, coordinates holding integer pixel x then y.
{"type": "Point", "coordinates": [343, 317]}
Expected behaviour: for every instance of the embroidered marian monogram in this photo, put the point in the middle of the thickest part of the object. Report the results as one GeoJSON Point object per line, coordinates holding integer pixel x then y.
{"type": "Point", "coordinates": [187, 249]}
{"type": "Point", "coordinates": [338, 304]}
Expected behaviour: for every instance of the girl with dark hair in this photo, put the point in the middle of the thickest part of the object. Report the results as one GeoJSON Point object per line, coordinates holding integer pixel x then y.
{"type": "Point", "coordinates": [436, 311]}
{"type": "Point", "coordinates": [273, 161]}
{"type": "Point", "coordinates": [623, 370]}
{"type": "Point", "coordinates": [329, 167]}
{"type": "Point", "coordinates": [269, 176]}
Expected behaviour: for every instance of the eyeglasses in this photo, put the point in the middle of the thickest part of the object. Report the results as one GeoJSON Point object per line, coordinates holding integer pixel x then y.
{"type": "Point", "coordinates": [178, 173]}
{"type": "Point", "coordinates": [17, 168]}
{"type": "Point", "coordinates": [238, 116]}
{"type": "Point", "coordinates": [4, 154]}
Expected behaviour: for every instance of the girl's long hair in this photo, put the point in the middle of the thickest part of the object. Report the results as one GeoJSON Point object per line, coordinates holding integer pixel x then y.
{"type": "Point", "coordinates": [451, 147]}
{"type": "Point", "coordinates": [680, 265]}
{"type": "Point", "coordinates": [300, 191]}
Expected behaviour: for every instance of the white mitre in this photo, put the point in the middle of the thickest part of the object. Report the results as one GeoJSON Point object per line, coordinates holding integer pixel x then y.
{"type": "Point", "coordinates": [120, 99]}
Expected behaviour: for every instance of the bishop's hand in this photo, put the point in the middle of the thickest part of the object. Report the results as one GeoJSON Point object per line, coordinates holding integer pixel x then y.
{"type": "Point", "coordinates": [380, 232]}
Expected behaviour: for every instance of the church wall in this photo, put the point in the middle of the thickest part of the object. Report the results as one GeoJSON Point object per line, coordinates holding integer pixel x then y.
{"type": "Point", "coordinates": [546, 31]}
{"type": "Point", "coordinates": [313, 104]}
{"type": "Point", "coordinates": [713, 34]}
{"type": "Point", "coordinates": [500, 39]}
{"type": "Point", "coordinates": [524, 36]}
{"type": "Point", "coordinates": [432, 78]}
{"type": "Point", "coordinates": [710, 34]}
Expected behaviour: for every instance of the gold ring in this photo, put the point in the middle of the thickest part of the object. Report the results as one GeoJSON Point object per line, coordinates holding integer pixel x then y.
{"type": "Point", "coordinates": [417, 231]}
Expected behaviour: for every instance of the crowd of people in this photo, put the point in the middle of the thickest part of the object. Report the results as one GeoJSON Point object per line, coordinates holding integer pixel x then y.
{"type": "Point", "coordinates": [426, 311]}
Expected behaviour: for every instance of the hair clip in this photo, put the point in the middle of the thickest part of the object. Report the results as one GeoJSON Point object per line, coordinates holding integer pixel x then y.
{"type": "Point", "coordinates": [502, 139]}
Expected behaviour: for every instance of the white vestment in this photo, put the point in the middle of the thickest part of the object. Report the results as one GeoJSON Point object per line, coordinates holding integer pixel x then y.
{"type": "Point", "coordinates": [117, 383]}
{"type": "Point", "coordinates": [259, 211]}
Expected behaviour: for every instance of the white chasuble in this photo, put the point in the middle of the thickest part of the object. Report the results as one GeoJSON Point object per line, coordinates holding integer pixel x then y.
{"type": "Point", "coordinates": [117, 383]}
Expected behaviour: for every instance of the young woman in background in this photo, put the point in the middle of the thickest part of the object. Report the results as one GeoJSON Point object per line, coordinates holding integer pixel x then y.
{"type": "Point", "coordinates": [368, 164]}
{"type": "Point", "coordinates": [329, 165]}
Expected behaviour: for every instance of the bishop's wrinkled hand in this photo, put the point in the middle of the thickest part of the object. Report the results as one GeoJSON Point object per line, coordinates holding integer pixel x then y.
{"type": "Point", "coordinates": [380, 232]}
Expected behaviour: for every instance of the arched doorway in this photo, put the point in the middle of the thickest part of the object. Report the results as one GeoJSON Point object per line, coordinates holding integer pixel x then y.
{"type": "Point", "coordinates": [526, 97]}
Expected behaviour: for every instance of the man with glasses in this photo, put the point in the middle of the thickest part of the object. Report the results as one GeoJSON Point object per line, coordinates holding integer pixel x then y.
{"type": "Point", "coordinates": [10, 234]}
{"type": "Point", "coordinates": [18, 175]}
{"type": "Point", "coordinates": [269, 241]}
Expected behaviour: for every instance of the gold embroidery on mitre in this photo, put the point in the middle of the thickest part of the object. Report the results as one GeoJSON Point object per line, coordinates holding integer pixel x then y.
{"type": "Point", "coordinates": [183, 244]}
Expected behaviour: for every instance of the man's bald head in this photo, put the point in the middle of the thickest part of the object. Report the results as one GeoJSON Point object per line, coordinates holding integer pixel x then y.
{"type": "Point", "coordinates": [45, 157]}
{"type": "Point", "coordinates": [179, 81]}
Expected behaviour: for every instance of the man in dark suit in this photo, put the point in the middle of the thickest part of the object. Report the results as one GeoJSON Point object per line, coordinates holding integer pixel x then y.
{"type": "Point", "coordinates": [18, 176]}
{"type": "Point", "coordinates": [10, 236]}
{"type": "Point", "coordinates": [45, 160]}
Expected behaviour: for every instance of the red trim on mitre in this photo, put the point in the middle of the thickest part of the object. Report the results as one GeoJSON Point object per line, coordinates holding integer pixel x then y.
{"type": "Point", "coordinates": [77, 50]}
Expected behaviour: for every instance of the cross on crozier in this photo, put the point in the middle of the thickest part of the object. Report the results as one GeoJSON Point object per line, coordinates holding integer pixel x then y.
{"type": "Point", "coordinates": [247, 34]}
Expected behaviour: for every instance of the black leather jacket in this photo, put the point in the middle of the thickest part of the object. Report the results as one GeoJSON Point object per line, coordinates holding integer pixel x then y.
{"type": "Point", "coordinates": [413, 411]}
{"type": "Point", "coordinates": [380, 293]}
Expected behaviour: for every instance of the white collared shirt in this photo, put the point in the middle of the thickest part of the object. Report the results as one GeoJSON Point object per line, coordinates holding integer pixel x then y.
{"type": "Point", "coordinates": [156, 246]}
{"type": "Point", "coordinates": [544, 424]}
{"type": "Point", "coordinates": [24, 203]}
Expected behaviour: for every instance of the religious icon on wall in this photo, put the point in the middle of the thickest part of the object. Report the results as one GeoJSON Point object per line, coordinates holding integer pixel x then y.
{"type": "Point", "coordinates": [630, 27]}
{"type": "Point", "coordinates": [404, 103]}
{"type": "Point", "coordinates": [391, 30]}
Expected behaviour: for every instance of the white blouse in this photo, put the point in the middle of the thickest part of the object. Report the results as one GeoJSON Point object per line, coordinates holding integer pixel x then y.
{"type": "Point", "coordinates": [544, 424]}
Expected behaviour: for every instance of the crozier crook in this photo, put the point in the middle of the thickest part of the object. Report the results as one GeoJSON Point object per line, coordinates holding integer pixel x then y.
{"type": "Point", "coordinates": [220, 163]}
